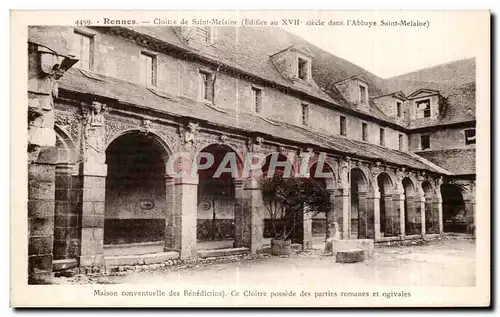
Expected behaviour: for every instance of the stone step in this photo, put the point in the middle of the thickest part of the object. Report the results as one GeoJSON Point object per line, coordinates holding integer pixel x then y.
{"type": "Point", "coordinates": [64, 264]}
{"type": "Point", "coordinates": [352, 256]}
{"type": "Point", "coordinates": [139, 259]}
{"type": "Point", "coordinates": [222, 252]}
{"type": "Point", "coordinates": [134, 248]}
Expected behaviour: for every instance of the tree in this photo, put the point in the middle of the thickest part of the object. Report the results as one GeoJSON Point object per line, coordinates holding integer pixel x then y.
{"type": "Point", "coordinates": [288, 199]}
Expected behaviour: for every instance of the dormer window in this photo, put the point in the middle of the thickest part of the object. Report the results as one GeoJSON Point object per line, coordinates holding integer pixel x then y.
{"type": "Point", "coordinates": [302, 68]}
{"type": "Point", "coordinates": [362, 94]}
{"type": "Point", "coordinates": [206, 33]}
{"type": "Point", "coordinates": [398, 109]}
{"type": "Point", "coordinates": [423, 108]}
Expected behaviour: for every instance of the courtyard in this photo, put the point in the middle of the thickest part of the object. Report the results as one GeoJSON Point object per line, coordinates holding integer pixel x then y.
{"type": "Point", "coordinates": [446, 262]}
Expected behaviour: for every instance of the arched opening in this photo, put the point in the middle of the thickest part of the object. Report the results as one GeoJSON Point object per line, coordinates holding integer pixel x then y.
{"type": "Point", "coordinates": [320, 219]}
{"type": "Point", "coordinates": [136, 203]}
{"type": "Point", "coordinates": [454, 213]}
{"type": "Point", "coordinates": [410, 219]}
{"type": "Point", "coordinates": [385, 205]}
{"type": "Point", "coordinates": [216, 197]}
{"type": "Point", "coordinates": [429, 219]}
{"type": "Point", "coordinates": [359, 220]}
{"type": "Point", "coordinates": [275, 164]}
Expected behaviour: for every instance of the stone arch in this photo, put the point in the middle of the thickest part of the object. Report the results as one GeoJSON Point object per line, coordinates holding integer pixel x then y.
{"type": "Point", "coordinates": [168, 148]}
{"type": "Point", "coordinates": [281, 159]}
{"type": "Point", "coordinates": [386, 189]}
{"type": "Point", "coordinates": [328, 167]}
{"type": "Point", "coordinates": [454, 209]}
{"type": "Point", "coordinates": [359, 226]}
{"type": "Point", "coordinates": [136, 204]}
{"type": "Point", "coordinates": [410, 218]}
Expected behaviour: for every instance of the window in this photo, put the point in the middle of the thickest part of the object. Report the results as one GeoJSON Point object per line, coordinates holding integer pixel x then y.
{"type": "Point", "coordinates": [205, 33]}
{"type": "Point", "coordinates": [305, 114]}
{"type": "Point", "coordinates": [425, 142]}
{"type": "Point", "coordinates": [398, 109]}
{"type": "Point", "coordinates": [470, 136]}
{"type": "Point", "coordinates": [148, 69]}
{"type": "Point", "coordinates": [401, 142]}
{"type": "Point", "coordinates": [423, 108]}
{"type": "Point", "coordinates": [364, 128]}
{"type": "Point", "coordinates": [343, 128]}
{"type": "Point", "coordinates": [207, 86]}
{"type": "Point", "coordinates": [382, 136]}
{"type": "Point", "coordinates": [362, 94]}
{"type": "Point", "coordinates": [84, 50]}
{"type": "Point", "coordinates": [303, 68]}
{"type": "Point", "coordinates": [257, 99]}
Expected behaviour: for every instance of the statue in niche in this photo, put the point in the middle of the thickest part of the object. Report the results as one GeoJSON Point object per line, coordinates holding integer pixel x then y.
{"type": "Point", "coordinates": [94, 128]}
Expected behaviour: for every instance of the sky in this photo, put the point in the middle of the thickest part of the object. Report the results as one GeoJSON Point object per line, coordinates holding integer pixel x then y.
{"type": "Point", "coordinates": [390, 51]}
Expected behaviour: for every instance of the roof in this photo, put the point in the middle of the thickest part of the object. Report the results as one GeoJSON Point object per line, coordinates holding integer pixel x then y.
{"type": "Point", "coordinates": [129, 93]}
{"type": "Point", "coordinates": [250, 48]}
{"type": "Point", "coordinates": [457, 161]}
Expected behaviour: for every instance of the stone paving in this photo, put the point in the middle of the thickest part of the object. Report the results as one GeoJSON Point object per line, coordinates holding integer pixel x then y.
{"type": "Point", "coordinates": [446, 262]}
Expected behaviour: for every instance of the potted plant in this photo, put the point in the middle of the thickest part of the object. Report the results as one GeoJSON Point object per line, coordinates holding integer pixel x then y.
{"type": "Point", "coordinates": [288, 201]}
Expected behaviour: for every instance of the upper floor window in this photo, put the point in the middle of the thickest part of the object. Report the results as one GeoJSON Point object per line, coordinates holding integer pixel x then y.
{"type": "Point", "coordinates": [400, 142]}
{"type": "Point", "coordinates": [302, 68]}
{"type": "Point", "coordinates": [148, 69]}
{"type": "Point", "coordinates": [364, 131]}
{"type": "Point", "coordinates": [425, 142]}
{"type": "Point", "coordinates": [382, 136]}
{"type": "Point", "coordinates": [305, 113]}
{"type": "Point", "coordinates": [207, 85]}
{"type": "Point", "coordinates": [343, 126]}
{"type": "Point", "coordinates": [398, 109]}
{"type": "Point", "coordinates": [206, 33]}
{"type": "Point", "coordinates": [257, 99]}
{"type": "Point", "coordinates": [84, 49]}
{"type": "Point", "coordinates": [423, 108]}
{"type": "Point", "coordinates": [362, 94]}
{"type": "Point", "coordinates": [470, 136]}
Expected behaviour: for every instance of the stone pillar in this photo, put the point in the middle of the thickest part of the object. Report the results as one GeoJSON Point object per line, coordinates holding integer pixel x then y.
{"type": "Point", "coordinates": [93, 197]}
{"type": "Point", "coordinates": [420, 213]}
{"type": "Point", "coordinates": [45, 67]}
{"type": "Point", "coordinates": [391, 217]}
{"type": "Point", "coordinates": [341, 211]}
{"type": "Point", "coordinates": [185, 213]}
{"type": "Point", "coordinates": [363, 223]}
{"type": "Point", "coordinates": [398, 214]}
{"type": "Point", "coordinates": [67, 206]}
{"type": "Point", "coordinates": [169, 214]}
{"type": "Point", "coordinates": [437, 211]}
{"type": "Point", "coordinates": [429, 224]}
{"type": "Point", "coordinates": [41, 204]}
{"type": "Point", "coordinates": [250, 226]}
{"type": "Point", "coordinates": [307, 230]}
{"type": "Point", "coordinates": [470, 216]}
{"type": "Point", "coordinates": [373, 211]}
{"type": "Point", "coordinates": [238, 214]}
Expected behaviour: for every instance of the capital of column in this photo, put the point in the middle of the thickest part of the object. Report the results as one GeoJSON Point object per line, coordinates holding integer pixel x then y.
{"type": "Point", "coordinates": [373, 194]}
{"type": "Point", "coordinates": [398, 196]}
{"type": "Point", "coordinates": [186, 180]}
{"type": "Point", "coordinates": [342, 192]}
{"type": "Point", "coordinates": [251, 184]}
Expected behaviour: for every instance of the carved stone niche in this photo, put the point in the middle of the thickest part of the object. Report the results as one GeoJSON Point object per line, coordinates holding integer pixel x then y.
{"type": "Point", "coordinates": [94, 141]}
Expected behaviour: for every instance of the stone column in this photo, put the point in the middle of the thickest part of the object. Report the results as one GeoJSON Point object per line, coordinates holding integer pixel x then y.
{"type": "Point", "coordinates": [420, 212]}
{"type": "Point", "coordinates": [373, 211]}
{"type": "Point", "coordinates": [41, 204]}
{"type": "Point", "coordinates": [437, 211]}
{"type": "Point", "coordinates": [341, 211]}
{"type": "Point", "coordinates": [470, 216]}
{"type": "Point", "coordinates": [185, 213]}
{"type": "Point", "coordinates": [238, 214]}
{"type": "Point", "coordinates": [363, 223]}
{"type": "Point", "coordinates": [169, 214]}
{"type": "Point", "coordinates": [429, 222]}
{"type": "Point", "coordinates": [251, 223]}
{"type": "Point", "coordinates": [307, 230]}
{"type": "Point", "coordinates": [398, 214]}
{"type": "Point", "coordinates": [391, 217]}
{"type": "Point", "coordinates": [93, 197]}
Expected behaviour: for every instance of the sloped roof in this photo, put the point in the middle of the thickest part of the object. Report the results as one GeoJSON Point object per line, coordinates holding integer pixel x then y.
{"type": "Point", "coordinates": [127, 92]}
{"type": "Point", "coordinates": [457, 161]}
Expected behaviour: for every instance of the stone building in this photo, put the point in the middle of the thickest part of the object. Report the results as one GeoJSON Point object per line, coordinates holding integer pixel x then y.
{"type": "Point", "coordinates": [108, 107]}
